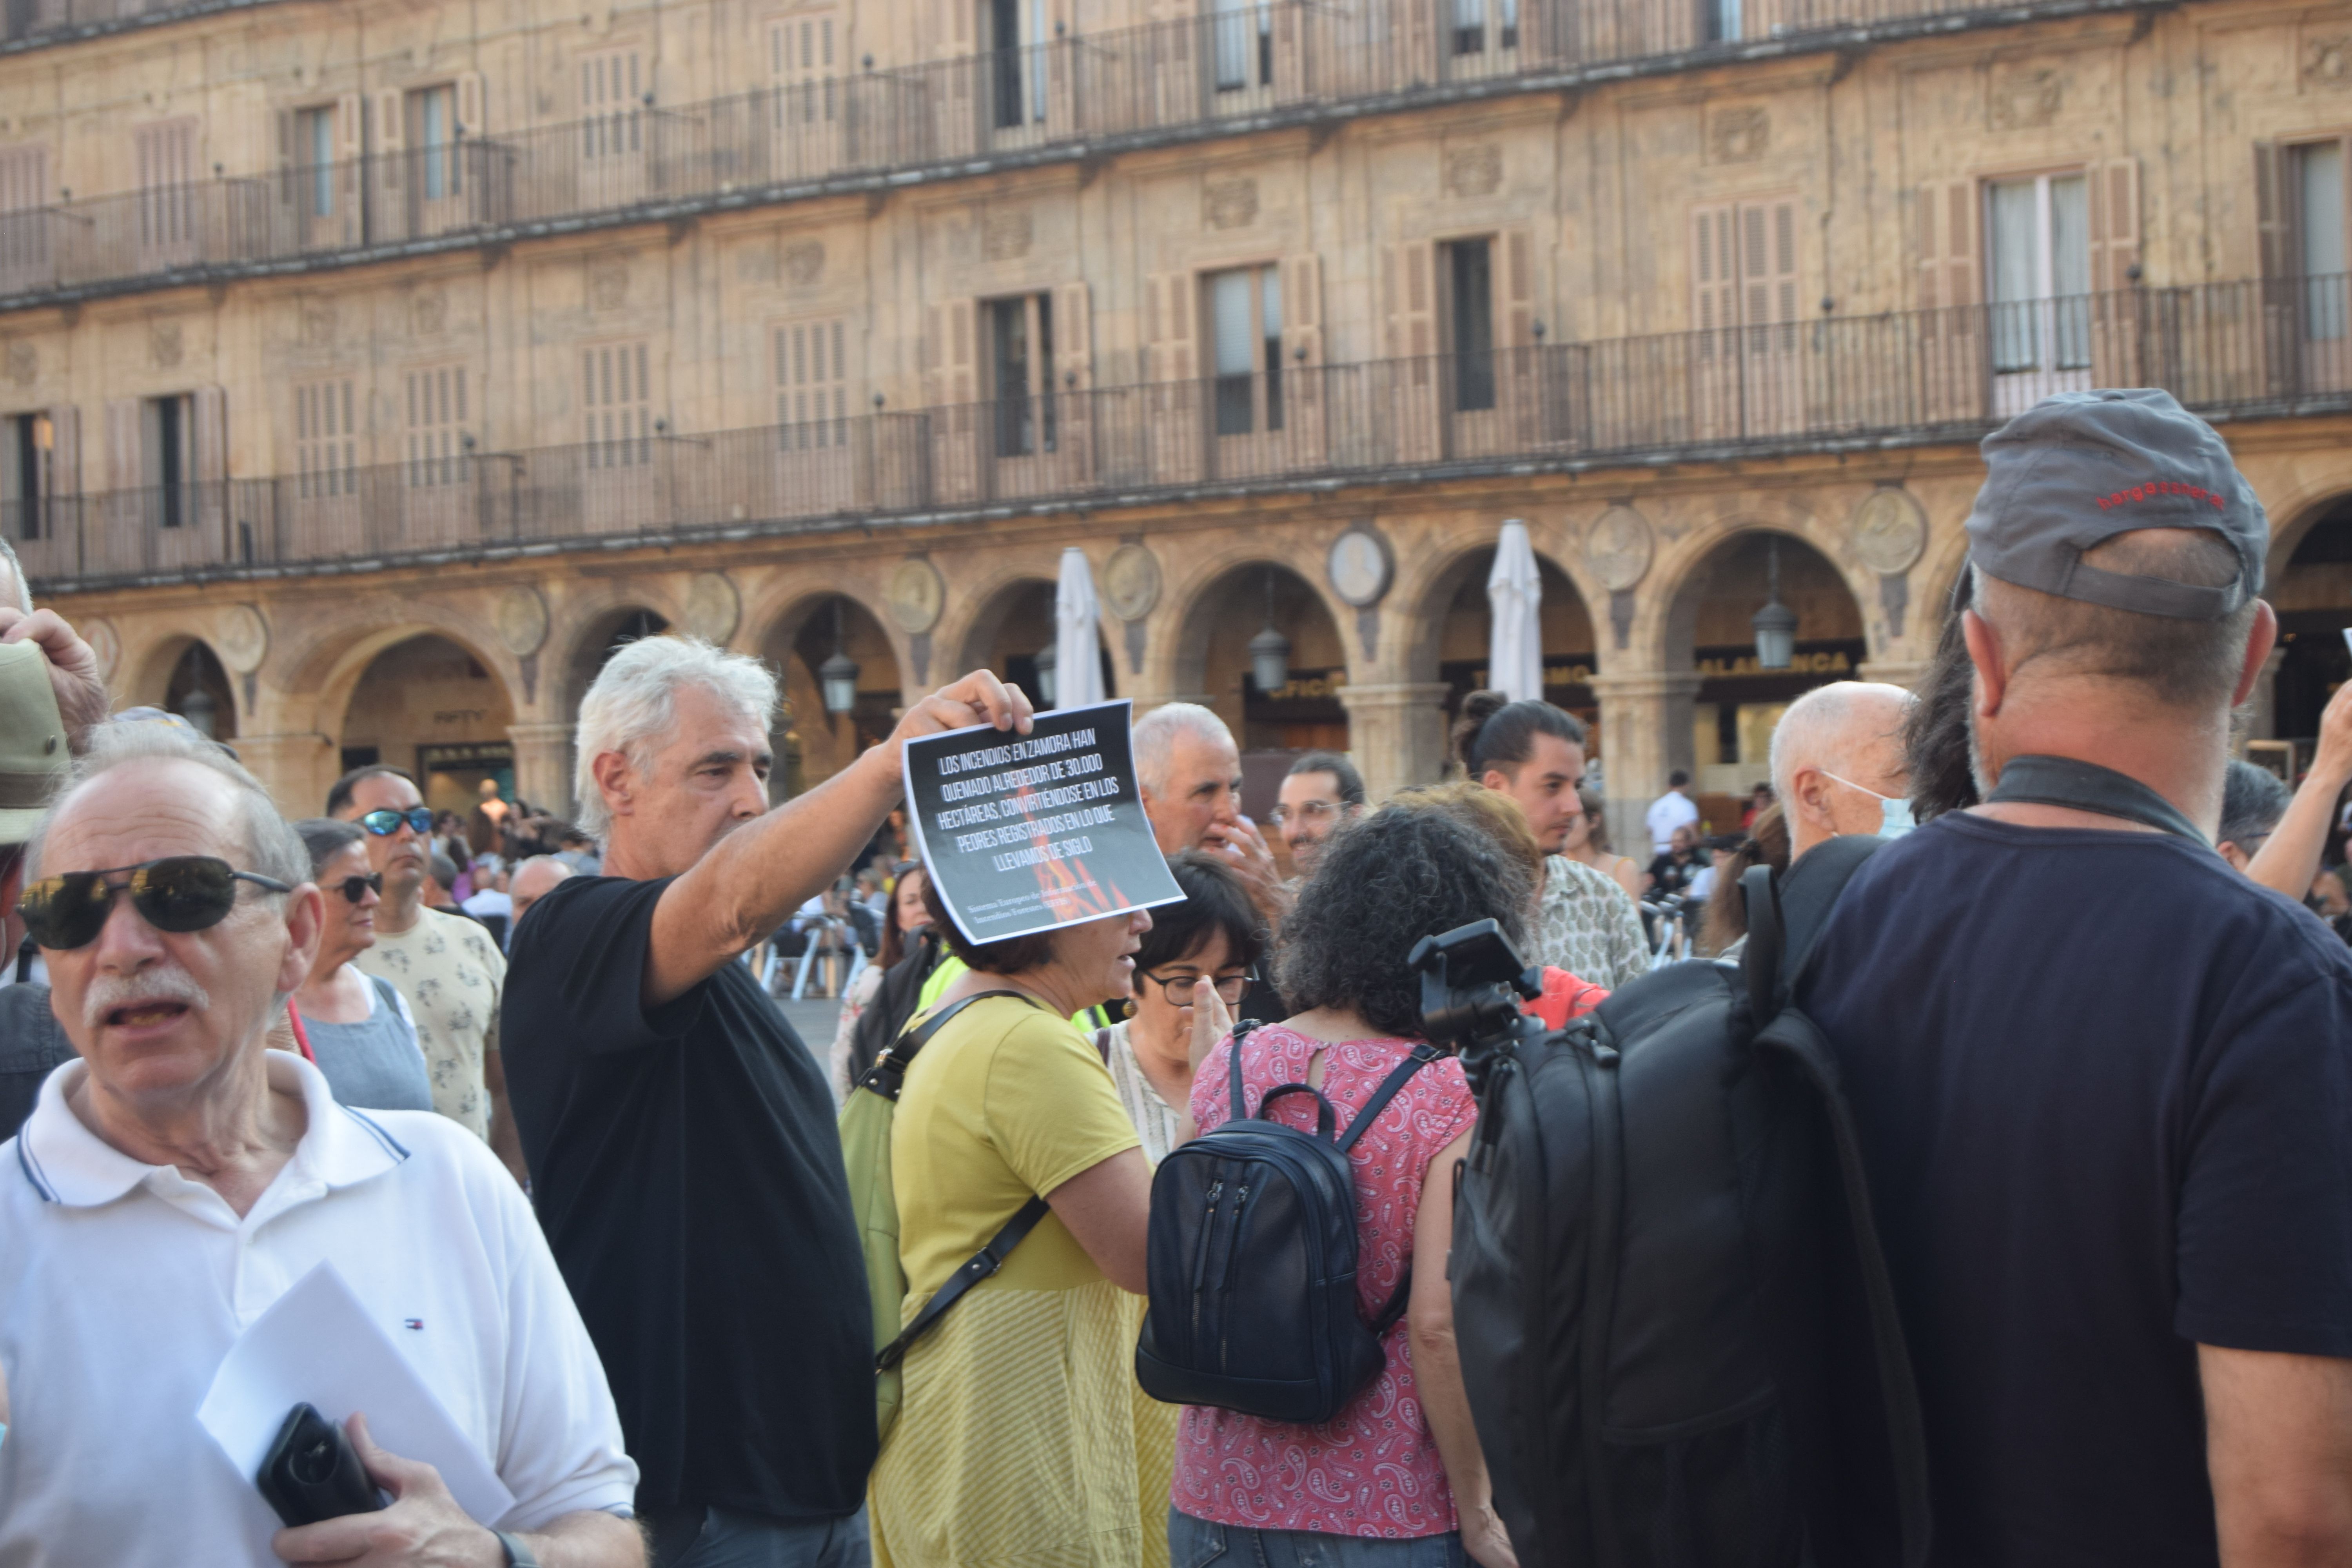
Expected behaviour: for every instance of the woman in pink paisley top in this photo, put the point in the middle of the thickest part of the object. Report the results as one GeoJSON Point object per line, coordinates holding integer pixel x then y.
{"type": "Point", "coordinates": [1396, 1480]}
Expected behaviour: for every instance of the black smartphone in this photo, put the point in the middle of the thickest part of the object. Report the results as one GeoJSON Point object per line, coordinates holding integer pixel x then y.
{"type": "Point", "coordinates": [312, 1472]}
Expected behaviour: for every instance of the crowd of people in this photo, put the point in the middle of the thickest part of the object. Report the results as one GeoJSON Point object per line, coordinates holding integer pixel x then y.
{"type": "Point", "coordinates": [566, 1150]}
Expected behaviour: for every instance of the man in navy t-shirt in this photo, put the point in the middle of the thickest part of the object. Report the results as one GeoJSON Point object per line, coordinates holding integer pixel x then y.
{"type": "Point", "coordinates": [2105, 1083]}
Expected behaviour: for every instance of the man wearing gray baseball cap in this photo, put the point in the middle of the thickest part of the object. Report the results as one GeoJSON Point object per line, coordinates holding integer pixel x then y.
{"type": "Point", "coordinates": [2103, 1084]}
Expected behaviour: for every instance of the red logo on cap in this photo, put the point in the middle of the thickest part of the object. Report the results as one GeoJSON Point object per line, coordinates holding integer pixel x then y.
{"type": "Point", "coordinates": [2160, 488]}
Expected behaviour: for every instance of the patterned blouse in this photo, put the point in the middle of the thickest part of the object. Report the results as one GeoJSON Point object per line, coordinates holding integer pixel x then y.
{"type": "Point", "coordinates": [1587, 925]}
{"type": "Point", "coordinates": [1374, 1469]}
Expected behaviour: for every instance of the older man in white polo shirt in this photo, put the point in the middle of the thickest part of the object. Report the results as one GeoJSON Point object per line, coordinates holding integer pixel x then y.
{"type": "Point", "coordinates": [178, 1178]}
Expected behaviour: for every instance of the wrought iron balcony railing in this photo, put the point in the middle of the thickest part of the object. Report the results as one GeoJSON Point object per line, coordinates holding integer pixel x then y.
{"type": "Point", "coordinates": [1270, 62]}
{"type": "Point", "coordinates": [31, 24]}
{"type": "Point", "coordinates": [2242, 350]}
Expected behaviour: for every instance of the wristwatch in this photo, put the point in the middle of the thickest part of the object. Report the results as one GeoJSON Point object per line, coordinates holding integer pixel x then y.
{"type": "Point", "coordinates": [518, 1554]}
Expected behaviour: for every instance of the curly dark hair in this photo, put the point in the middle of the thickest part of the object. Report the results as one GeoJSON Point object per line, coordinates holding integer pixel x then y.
{"type": "Point", "coordinates": [1394, 878]}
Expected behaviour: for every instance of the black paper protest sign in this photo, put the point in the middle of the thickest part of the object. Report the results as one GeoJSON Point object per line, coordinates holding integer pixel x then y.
{"type": "Point", "coordinates": [1030, 832]}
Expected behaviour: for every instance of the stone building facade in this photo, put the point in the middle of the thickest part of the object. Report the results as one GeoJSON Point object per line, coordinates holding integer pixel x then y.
{"type": "Point", "coordinates": [373, 368]}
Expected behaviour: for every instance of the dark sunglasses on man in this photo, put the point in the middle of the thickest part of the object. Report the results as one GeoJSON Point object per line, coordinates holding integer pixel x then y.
{"type": "Point", "coordinates": [179, 893]}
{"type": "Point", "coordinates": [385, 824]}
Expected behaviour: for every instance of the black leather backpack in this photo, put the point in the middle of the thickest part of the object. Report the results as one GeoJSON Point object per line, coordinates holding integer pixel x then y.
{"type": "Point", "coordinates": [1252, 1256]}
{"type": "Point", "coordinates": [1677, 1329]}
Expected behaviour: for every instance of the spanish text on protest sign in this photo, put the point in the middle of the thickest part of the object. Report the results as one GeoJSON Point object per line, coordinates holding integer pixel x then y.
{"type": "Point", "coordinates": [1030, 832]}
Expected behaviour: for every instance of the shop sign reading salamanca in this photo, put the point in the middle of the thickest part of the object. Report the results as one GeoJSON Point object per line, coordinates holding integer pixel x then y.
{"type": "Point", "coordinates": [1030, 833]}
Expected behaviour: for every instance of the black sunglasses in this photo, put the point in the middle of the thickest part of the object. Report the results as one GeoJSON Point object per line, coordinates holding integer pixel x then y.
{"type": "Point", "coordinates": [179, 893]}
{"type": "Point", "coordinates": [385, 824]}
{"type": "Point", "coordinates": [354, 888]}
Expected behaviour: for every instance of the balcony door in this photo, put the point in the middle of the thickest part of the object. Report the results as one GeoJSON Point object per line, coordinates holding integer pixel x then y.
{"type": "Point", "coordinates": [2038, 257]}
{"type": "Point", "coordinates": [1745, 362]}
{"type": "Point", "coordinates": [2322, 312]}
{"type": "Point", "coordinates": [613, 153]}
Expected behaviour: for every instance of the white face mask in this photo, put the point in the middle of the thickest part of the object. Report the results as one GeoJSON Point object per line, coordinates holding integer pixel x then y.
{"type": "Point", "coordinates": [1894, 810]}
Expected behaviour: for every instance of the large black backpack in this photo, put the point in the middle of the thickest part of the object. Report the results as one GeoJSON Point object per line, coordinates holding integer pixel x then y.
{"type": "Point", "coordinates": [1252, 1256]}
{"type": "Point", "coordinates": [1673, 1312]}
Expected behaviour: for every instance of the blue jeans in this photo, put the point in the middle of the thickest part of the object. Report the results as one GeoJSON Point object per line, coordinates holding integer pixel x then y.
{"type": "Point", "coordinates": [1197, 1544]}
{"type": "Point", "coordinates": [728, 1539]}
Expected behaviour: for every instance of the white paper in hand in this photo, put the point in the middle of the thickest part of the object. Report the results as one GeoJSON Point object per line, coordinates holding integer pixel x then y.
{"type": "Point", "coordinates": [318, 1344]}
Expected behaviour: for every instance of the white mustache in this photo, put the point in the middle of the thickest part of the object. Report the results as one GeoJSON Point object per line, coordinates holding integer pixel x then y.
{"type": "Point", "coordinates": [109, 992]}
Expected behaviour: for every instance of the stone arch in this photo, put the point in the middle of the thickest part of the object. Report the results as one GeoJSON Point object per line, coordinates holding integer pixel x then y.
{"type": "Point", "coordinates": [1708, 641]}
{"type": "Point", "coordinates": [1210, 658]}
{"type": "Point", "coordinates": [176, 667]}
{"type": "Point", "coordinates": [2309, 582]}
{"type": "Point", "coordinates": [1012, 621]}
{"type": "Point", "coordinates": [812, 744]}
{"type": "Point", "coordinates": [594, 643]}
{"type": "Point", "coordinates": [432, 704]}
{"type": "Point", "coordinates": [1452, 628]}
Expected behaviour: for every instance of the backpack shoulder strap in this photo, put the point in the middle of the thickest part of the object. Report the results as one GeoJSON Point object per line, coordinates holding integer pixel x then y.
{"type": "Point", "coordinates": [1800, 1040]}
{"type": "Point", "coordinates": [1418, 1058]}
{"type": "Point", "coordinates": [1787, 912]}
{"type": "Point", "coordinates": [1240, 1103]}
{"type": "Point", "coordinates": [887, 1075]}
{"type": "Point", "coordinates": [981, 1264]}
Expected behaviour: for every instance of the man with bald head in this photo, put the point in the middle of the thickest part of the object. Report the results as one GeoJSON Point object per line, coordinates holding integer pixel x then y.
{"type": "Point", "coordinates": [531, 881]}
{"type": "Point", "coordinates": [1837, 764]}
{"type": "Point", "coordinates": [2102, 1084]}
{"type": "Point", "coordinates": [177, 1177]}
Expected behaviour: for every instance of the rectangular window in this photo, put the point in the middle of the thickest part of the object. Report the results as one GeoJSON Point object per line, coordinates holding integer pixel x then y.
{"type": "Point", "coordinates": [24, 217]}
{"type": "Point", "coordinates": [800, 64]}
{"type": "Point", "coordinates": [166, 157]}
{"type": "Point", "coordinates": [616, 395]}
{"type": "Point", "coordinates": [1244, 48]}
{"type": "Point", "coordinates": [1719, 20]}
{"type": "Point", "coordinates": [326, 444]}
{"type": "Point", "coordinates": [1020, 382]}
{"type": "Point", "coordinates": [432, 141]}
{"type": "Point", "coordinates": [314, 144]}
{"type": "Point", "coordinates": [167, 455]}
{"type": "Point", "coordinates": [2039, 250]}
{"type": "Point", "coordinates": [611, 102]}
{"type": "Point", "coordinates": [2319, 238]}
{"type": "Point", "coordinates": [24, 454]}
{"type": "Point", "coordinates": [1469, 275]}
{"type": "Point", "coordinates": [1245, 308]}
{"type": "Point", "coordinates": [1477, 26]}
{"type": "Point", "coordinates": [437, 427]}
{"type": "Point", "coordinates": [813, 384]}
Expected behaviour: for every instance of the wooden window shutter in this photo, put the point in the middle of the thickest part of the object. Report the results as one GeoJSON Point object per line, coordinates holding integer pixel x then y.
{"type": "Point", "coordinates": [65, 449]}
{"type": "Point", "coordinates": [470, 106]}
{"type": "Point", "coordinates": [288, 156]}
{"type": "Point", "coordinates": [1948, 243]}
{"type": "Point", "coordinates": [1302, 309]}
{"type": "Point", "coordinates": [209, 438]}
{"type": "Point", "coordinates": [2113, 200]}
{"type": "Point", "coordinates": [1781, 240]}
{"type": "Point", "coordinates": [1409, 300]}
{"type": "Point", "coordinates": [1169, 320]}
{"type": "Point", "coordinates": [1517, 328]}
{"type": "Point", "coordinates": [350, 136]}
{"type": "Point", "coordinates": [1074, 338]}
{"type": "Point", "coordinates": [2273, 229]}
{"type": "Point", "coordinates": [949, 376]}
{"type": "Point", "coordinates": [124, 470]}
{"type": "Point", "coordinates": [1715, 270]}
{"type": "Point", "coordinates": [390, 134]}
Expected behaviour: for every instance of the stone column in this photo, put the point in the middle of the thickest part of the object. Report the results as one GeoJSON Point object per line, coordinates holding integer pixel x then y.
{"type": "Point", "coordinates": [1646, 735]}
{"type": "Point", "coordinates": [297, 769]}
{"type": "Point", "coordinates": [1904, 673]}
{"type": "Point", "coordinates": [1396, 733]}
{"type": "Point", "coordinates": [542, 757]}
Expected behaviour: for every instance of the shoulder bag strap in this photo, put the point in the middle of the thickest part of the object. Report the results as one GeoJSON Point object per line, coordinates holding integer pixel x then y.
{"type": "Point", "coordinates": [1241, 1105]}
{"type": "Point", "coordinates": [983, 1263]}
{"type": "Point", "coordinates": [889, 1073]}
{"type": "Point", "coordinates": [2086, 787]}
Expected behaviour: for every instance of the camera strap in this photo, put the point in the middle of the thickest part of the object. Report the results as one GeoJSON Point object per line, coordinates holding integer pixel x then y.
{"type": "Point", "coordinates": [2086, 787]}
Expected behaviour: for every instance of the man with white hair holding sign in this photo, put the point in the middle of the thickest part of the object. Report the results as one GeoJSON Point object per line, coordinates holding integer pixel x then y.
{"type": "Point", "coordinates": [679, 1136]}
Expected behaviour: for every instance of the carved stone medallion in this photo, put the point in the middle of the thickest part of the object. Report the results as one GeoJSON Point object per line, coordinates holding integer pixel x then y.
{"type": "Point", "coordinates": [713, 608]}
{"type": "Point", "coordinates": [521, 620]}
{"type": "Point", "coordinates": [105, 642]}
{"type": "Point", "coordinates": [1361, 566]}
{"type": "Point", "coordinates": [804, 262]}
{"type": "Point", "coordinates": [1738, 135]}
{"type": "Point", "coordinates": [167, 343]}
{"type": "Point", "coordinates": [2025, 98]}
{"type": "Point", "coordinates": [241, 637]}
{"type": "Point", "coordinates": [429, 311]}
{"type": "Point", "coordinates": [24, 364]}
{"type": "Point", "coordinates": [1474, 170]}
{"type": "Point", "coordinates": [1890, 531]}
{"type": "Point", "coordinates": [1005, 234]}
{"type": "Point", "coordinates": [916, 597]}
{"type": "Point", "coordinates": [1229, 203]}
{"type": "Point", "coordinates": [1130, 581]}
{"type": "Point", "coordinates": [608, 284]}
{"type": "Point", "coordinates": [2327, 62]}
{"type": "Point", "coordinates": [1619, 548]}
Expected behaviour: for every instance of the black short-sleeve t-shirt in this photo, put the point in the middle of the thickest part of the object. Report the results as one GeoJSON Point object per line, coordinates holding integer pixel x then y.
{"type": "Point", "coordinates": [689, 1176]}
{"type": "Point", "coordinates": [2103, 1087]}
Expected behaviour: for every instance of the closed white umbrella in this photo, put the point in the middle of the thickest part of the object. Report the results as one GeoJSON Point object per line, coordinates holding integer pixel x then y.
{"type": "Point", "coordinates": [1077, 623]}
{"type": "Point", "coordinates": [1515, 656]}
